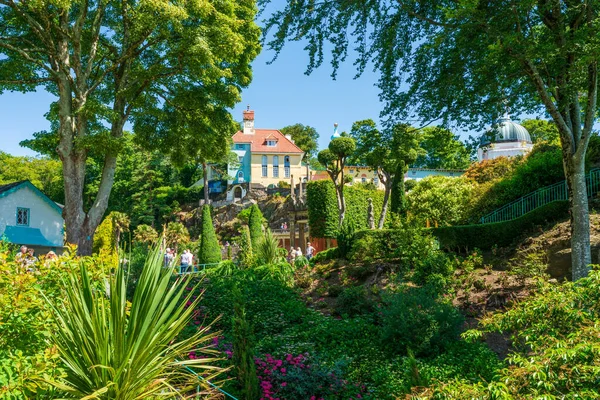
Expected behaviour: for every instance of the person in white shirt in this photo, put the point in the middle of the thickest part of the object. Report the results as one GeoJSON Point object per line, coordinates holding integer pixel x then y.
{"type": "Point", "coordinates": [310, 251]}
{"type": "Point", "coordinates": [185, 260]}
{"type": "Point", "coordinates": [298, 252]}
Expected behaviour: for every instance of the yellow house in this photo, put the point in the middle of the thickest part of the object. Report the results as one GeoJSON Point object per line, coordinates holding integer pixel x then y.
{"type": "Point", "coordinates": [266, 156]}
{"type": "Point", "coordinates": [362, 174]}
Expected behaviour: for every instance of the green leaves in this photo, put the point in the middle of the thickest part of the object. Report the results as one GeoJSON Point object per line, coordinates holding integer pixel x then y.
{"type": "Point", "coordinates": [115, 350]}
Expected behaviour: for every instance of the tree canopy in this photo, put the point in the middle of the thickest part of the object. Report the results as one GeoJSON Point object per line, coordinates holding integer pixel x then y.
{"type": "Point", "coordinates": [304, 137]}
{"type": "Point", "coordinates": [110, 63]}
{"type": "Point", "coordinates": [441, 149]}
{"type": "Point", "coordinates": [464, 62]}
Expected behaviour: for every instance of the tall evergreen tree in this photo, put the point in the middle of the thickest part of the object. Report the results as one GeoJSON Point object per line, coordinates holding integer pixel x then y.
{"type": "Point", "coordinates": [210, 252]}
{"type": "Point", "coordinates": [246, 254]}
{"type": "Point", "coordinates": [255, 224]}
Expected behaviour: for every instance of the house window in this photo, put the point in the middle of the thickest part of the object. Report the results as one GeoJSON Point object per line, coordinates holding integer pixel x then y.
{"type": "Point", "coordinates": [22, 216]}
{"type": "Point", "coordinates": [239, 147]}
{"type": "Point", "coordinates": [286, 166]}
{"type": "Point", "coordinates": [275, 166]}
{"type": "Point", "coordinates": [240, 176]}
{"type": "Point", "coordinates": [264, 166]}
{"type": "Point", "coordinates": [351, 171]}
{"type": "Point", "coordinates": [376, 181]}
{"type": "Point", "coordinates": [271, 143]}
{"type": "Point", "coordinates": [241, 159]}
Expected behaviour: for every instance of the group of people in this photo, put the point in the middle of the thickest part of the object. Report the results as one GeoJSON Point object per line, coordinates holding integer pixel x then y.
{"type": "Point", "coordinates": [295, 253]}
{"type": "Point", "coordinates": [27, 259]}
{"type": "Point", "coordinates": [186, 260]}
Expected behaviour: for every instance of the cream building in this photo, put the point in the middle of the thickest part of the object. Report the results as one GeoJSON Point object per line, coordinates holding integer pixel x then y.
{"type": "Point", "coordinates": [266, 157]}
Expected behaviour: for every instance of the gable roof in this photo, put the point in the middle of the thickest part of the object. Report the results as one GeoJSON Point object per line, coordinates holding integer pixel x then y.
{"type": "Point", "coordinates": [258, 142]}
{"type": "Point", "coordinates": [9, 188]}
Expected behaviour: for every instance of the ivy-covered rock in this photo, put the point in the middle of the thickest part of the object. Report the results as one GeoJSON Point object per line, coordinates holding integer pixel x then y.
{"type": "Point", "coordinates": [210, 251]}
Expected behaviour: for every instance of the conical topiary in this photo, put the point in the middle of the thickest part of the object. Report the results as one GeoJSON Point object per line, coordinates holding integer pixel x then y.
{"type": "Point", "coordinates": [245, 255]}
{"type": "Point", "coordinates": [255, 223]}
{"type": "Point", "coordinates": [210, 251]}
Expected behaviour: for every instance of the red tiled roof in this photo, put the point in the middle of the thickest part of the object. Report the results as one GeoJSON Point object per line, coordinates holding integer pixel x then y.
{"type": "Point", "coordinates": [258, 141]}
{"type": "Point", "coordinates": [319, 176]}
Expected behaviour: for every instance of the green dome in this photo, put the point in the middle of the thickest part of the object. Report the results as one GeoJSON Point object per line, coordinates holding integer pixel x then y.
{"type": "Point", "coordinates": [506, 130]}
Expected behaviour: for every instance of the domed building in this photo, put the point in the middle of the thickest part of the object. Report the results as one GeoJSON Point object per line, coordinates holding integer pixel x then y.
{"type": "Point", "coordinates": [505, 139]}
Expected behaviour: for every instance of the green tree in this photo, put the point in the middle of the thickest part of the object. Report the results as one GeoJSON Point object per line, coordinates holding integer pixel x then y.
{"type": "Point", "coordinates": [460, 61]}
{"type": "Point", "coordinates": [441, 149]}
{"type": "Point", "coordinates": [145, 234]}
{"type": "Point", "coordinates": [334, 159]}
{"type": "Point", "coordinates": [210, 251]}
{"type": "Point", "coordinates": [306, 138]}
{"type": "Point", "coordinates": [542, 130]}
{"type": "Point", "coordinates": [121, 224]}
{"type": "Point", "coordinates": [255, 225]}
{"type": "Point", "coordinates": [44, 173]}
{"type": "Point", "coordinates": [176, 234]}
{"type": "Point", "coordinates": [440, 199]}
{"type": "Point", "coordinates": [246, 254]}
{"type": "Point", "coordinates": [243, 350]}
{"type": "Point", "coordinates": [388, 152]}
{"type": "Point", "coordinates": [111, 63]}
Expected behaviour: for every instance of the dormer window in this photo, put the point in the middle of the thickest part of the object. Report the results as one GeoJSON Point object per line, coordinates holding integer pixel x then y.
{"type": "Point", "coordinates": [271, 143]}
{"type": "Point", "coordinates": [22, 216]}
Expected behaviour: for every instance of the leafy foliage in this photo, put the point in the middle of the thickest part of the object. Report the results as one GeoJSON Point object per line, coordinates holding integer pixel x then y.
{"type": "Point", "coordinates": [210, 251]}
{"type": "Point", "coordinates": [304, 137]}
{"type": "Point", "coordinates": [267, 250]}
{"type": "Point", "coordinates": [176, 234]}
{"type": "Point", "coordinates": [419, 320]}
{"type": "Point", "coordinates": [441, 149]}
{"type": "Point", "coordinates": [556, 338]}
{"type": "Point", "coordinates": [255, 224]}
{"type": "Point", "coordinates": [243, 350]}
{"type": "Point", "coordinates": [322, 206]}
{"type": "Point", "coordinates": [120, 351]}
{"type": "Point", "coordinates": [441, 200]}
{"type": "Point", "coordinates": [246, 256]}
{"type": "Point", "coordinates": [485, 236]}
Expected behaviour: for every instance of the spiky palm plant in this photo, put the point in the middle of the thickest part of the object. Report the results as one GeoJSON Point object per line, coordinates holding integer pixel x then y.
{"type": "Point", "coordinates": [268, 248]}
{"type": "Point", "coordinates": [115, 350]}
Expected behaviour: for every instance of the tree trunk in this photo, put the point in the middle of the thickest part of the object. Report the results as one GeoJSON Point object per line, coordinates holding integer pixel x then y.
{"type": "Point", "coordinates": [205, 176]}
{"type": "Point", "coordinates": [386, 200]}
{"type": "Point", "coordinates": [581, 256]}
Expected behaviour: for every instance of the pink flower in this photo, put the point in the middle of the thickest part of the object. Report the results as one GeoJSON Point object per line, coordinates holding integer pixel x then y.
{"type": "Point", "coordinates": [283, 384]}
{"type": "Point", "coordinates": [283, 370]}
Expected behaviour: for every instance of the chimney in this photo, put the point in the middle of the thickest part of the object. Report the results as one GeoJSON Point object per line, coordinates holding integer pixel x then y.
{"type": "Point", "coordinates": [248, 121]}
{"type": "Point", "coordinates": [289, 137]}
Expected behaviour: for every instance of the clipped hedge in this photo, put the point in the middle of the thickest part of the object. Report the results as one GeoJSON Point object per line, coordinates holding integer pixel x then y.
{"type": "Point", "coordinates": [323, 211]}
{"type": "Point", "coordinates": [485, 236]}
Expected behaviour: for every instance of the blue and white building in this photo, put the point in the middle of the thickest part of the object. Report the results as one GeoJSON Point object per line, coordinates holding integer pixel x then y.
{"type": "Point", "coordinates": [28, 217]}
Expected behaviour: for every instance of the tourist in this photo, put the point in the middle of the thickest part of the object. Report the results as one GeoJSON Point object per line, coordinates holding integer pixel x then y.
{"type": "Point", "coordinates": [285, 226]}
{"type": "Point", "coordinates": [21, 255]}
{"type": "Point", "coordinates": [298, 252]}
{"type": "Point", "coordinates": [185, 261]}
{"type": "Point", "coordinates": [168, 258]}
{"type": "Point", "coordinates": [30, 260]}
{"type": "Point", "coordinates": [291, 255]}
{"type": "Point", "coordinates": [310, 251]}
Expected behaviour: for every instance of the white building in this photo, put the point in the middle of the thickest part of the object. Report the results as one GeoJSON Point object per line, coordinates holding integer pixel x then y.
{"type": "Point", "coordinates": [28, 217]}
{"type": "Point", "coordinates": [506, 139]}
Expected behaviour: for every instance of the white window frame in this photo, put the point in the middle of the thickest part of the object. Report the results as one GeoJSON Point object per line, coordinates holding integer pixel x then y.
{"type": "Point", "coordinates": [275, 166]}
{"type": "Point", "coordinates": [265, 164]}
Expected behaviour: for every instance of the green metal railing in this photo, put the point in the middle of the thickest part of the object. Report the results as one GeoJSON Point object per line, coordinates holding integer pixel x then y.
{"type": "Point", "coordinates": [196, 269]}
{"type": "Point", "coordinates": [540, 197]}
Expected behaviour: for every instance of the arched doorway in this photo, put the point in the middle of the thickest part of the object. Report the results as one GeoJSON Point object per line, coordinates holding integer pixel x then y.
{"type": "Point", "coordinates": [237, 192]}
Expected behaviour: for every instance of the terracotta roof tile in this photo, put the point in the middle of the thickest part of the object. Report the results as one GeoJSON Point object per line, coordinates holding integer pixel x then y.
{"type": "Point", "coordinates": [258, 141]}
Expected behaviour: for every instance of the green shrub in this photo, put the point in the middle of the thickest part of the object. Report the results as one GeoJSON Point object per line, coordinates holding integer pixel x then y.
{"type": "Point", "coordinates": [354, 301]}
{"type": "Point", "coordinates": [210, 251]}
{"type": "Point", "coordinates": [325, 255]}
{"type": "Point", "coordinates": [345, 237]}
{"type": "Point", "coordinates": [485, 236]}
{"type": "Point", "coordinates": [323, 212]}
{"type": "Point", "coordinates": [418, 319]}
{"type": "Point", "coordinates": [267, 249]}
{"type": "Point", "coordinates": [436, 266]}
{"type": "Point", "coordinates": [244, 215]}
{"type": "Point", "coordinates": [556, 337]}
{"type": "Point", "coordinates": [255, 224]}
{"type": "Point", "coordinates": [408, 245]}
{"type": "Point", "coordinates": [246, 255]}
